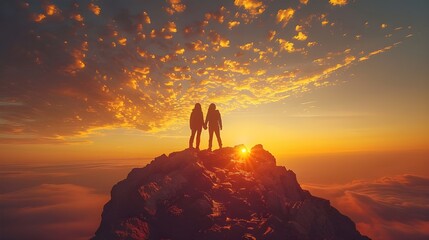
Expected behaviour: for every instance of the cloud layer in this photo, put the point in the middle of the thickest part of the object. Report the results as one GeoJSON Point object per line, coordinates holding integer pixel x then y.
{"type": "Point", "coordinates": [56, 201]}
{"type": "Point", "coordinates": [70, 67]}
{"type": "Point", "coordinates": [388, 208]}
{"type": "Point", "coordinates": [50, 211]}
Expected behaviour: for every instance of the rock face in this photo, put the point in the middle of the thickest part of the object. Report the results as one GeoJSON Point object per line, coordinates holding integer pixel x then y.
{"type": "Point", "coordinates": [224, 194]}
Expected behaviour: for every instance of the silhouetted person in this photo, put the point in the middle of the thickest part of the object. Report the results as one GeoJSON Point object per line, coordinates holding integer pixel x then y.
{"type": "Point", "coordinates": [215, 125]}
{"type": "Point", "coordinates": [196, 122]}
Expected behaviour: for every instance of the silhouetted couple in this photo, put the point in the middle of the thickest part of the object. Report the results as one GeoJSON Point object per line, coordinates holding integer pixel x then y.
{"type": "Point", "coordinates": [197, 124]}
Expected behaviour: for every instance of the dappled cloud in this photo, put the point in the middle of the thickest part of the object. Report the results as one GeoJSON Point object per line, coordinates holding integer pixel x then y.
{"type": "Point", "coordinates": [338, 2]}
{"type": "Point", "coordinates": [70, 68]}
{"type": "Point", "coordinates": [254, 7]}
{"type": "Point", "coordinates": [285, 15]}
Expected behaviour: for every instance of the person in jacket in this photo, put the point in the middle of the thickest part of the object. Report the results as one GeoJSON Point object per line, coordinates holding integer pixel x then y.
{"type": "Point", "coordinates": [214, 121]}
{"type": "Point", "coordinates": [196, 123]}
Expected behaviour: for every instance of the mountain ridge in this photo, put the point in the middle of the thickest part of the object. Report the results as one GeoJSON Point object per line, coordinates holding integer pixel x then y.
{"type": "Point", "coordinates": [229, 193]}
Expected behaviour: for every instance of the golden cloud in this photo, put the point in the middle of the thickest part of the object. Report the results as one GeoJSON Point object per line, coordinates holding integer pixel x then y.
{"type": "Point", "coordinates": [199, 58]}
{"type": "Point", "coordinates": [338, 2]}
{"type": "Point", "coordinates": [171, 26]}
{"type": "Point", "coordinates": [142, 70]}
{"type": "Point", "coordinates": [122, 41]}
{"type": "Point", "coordinates": [300, 36]}
{"type": "Point", "coordinates": [254, 7]}
{"type": "Point", "coordinates": [246, 46]}
{"type": "Point", "coordinates": [77, 64]}
{"type": "Point", "coordinates": [180, 51]}
{"type": "Point", "coordinates": [39, 17]}
{"type": "Point", "coordinates": [197, 46]}
{"type": "Point", "coordinates": [233, 24]}
{"type": "Point", "coordinates": [145, 17]}
{"type": "Point", "coordinates": [366, 57]}
{"type": "Point", "coordinates": [94, 8]}
{"type": "Point", "coordinates": [176, 6]}
{"type": "Point", "coordinates": [284, 15]}
{"type": "Point", "coordinates": [77, 17]}
{"type": "Point", "coordinates": [217, 15]}
{"type": "Point", "coordinates": [51, 9]}
{"type": "Point", "coordinates": [178, 76]}
{"type": "Point", "coordinates": [218, 40]}
{"type": "Point", "coordinates": [271, 35]}
{"type": "Point", "coordinates": [202, 71]}
{"type": "Point", "coordinates": [311, 44]}
{"type": "Point", "coordinates": [286, 45]}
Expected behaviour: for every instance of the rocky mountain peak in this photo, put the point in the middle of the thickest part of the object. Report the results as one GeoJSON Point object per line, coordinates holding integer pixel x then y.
{"type": "Point", "coordinates": [230, 193]}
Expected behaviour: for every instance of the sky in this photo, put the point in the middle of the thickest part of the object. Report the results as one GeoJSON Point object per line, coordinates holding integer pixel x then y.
{"type": "Point", "coordinates": [334, 85]}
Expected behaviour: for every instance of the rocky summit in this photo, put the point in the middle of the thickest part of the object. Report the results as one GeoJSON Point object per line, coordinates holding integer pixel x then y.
{"type": "Point", "coordinates": [231, 193]}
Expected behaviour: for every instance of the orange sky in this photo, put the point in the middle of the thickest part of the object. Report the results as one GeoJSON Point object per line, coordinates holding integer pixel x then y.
{"type": "Point", "coordinates": [302, 78]}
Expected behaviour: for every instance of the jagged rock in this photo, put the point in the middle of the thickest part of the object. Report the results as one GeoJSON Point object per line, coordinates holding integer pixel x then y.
{"type": "Point", "coordinates": [224, 194]}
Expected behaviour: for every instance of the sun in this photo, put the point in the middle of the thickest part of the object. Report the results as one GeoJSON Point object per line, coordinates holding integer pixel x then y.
{"type": "Point", "coordinates": [242, 153]}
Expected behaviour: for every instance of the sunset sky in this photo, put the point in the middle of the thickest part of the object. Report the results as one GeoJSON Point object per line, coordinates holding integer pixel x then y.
{"type": "Point", "coordinates": [344, 82]}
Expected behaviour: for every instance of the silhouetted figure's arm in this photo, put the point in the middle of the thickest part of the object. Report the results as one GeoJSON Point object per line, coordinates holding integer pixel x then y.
{"type": "Point", "coordinates": [206, 121]}
{"type": "Point", "coordinates": [220, 121]}
{"type": "Point", "coordinates": [202, 120]}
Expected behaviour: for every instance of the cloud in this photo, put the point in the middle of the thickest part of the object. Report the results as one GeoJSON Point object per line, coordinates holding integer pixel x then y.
{"type": "Point", "coordinates": [69, 70]}
{"type": "Point", "coordinates": [338, 2]}
{"type": "Point", "coordinates": [197, 46]}
{"type": "Point", "coordinates": [271, 35]}
{"type": "Point", "coordinates": [286, 45]}
{"type": "Point", "coordinates": [300, 36]}
{"type": "Point", "coordinates": [175, 6]}
{"type": "Point", "coordinates": [246, 46]}
{"type": "Point", "coordinates": [217, 40]}
{"type": "Point", "coordinates": [51, 9]}
{"type": "Point", "coordinates": [233, 24]}
{"type": "Point", "coordinates": [254, 7]}
{"type": "Point", "coordinates": [94, 8]}
{"type": "Point", "coordinates": [375, 52]}
{"type": "Point", "coordinates": [387, 208]}
{"type": "Point", "coordinates": [285, 15]}
{"type": "Point", "coordinates": [57, 200]}
{"type": "Point", "coordinates": [50, 211]}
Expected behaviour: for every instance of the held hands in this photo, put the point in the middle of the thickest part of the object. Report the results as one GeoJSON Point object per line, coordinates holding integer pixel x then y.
{"type": "Point", "coordinates": [205, 126]}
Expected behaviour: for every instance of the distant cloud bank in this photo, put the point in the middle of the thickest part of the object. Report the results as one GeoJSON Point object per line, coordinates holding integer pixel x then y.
{"type": "Point", "coordinates": [393, 208]}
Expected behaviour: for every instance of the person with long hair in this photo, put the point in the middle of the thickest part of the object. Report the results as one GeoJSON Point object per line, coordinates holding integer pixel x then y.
{"type": "Point", "coordinates": [196, 122]}
{"type": "Point", "coordinates": [214, 121]}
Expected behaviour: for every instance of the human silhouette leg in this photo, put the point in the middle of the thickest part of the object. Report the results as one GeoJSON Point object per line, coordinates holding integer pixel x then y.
{"type": "Point", "coordinates": [198, 139]}
{"type": "Point", "coordinates": [210, 138]}
{"type": "Point", "coordinates": [219, 140]}
{"type": "Point", "coordinates": [191, 139]}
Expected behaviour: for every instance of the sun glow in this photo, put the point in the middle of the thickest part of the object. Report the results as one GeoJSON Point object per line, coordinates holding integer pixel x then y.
{"type": "Point", "coordinates": [242, 154]}
{"type": "Point", "coordinates": [244, 151]}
